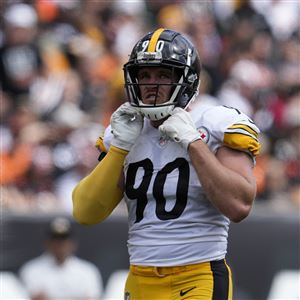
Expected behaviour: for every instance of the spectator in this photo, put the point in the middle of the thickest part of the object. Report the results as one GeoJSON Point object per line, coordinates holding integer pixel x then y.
{"type": "Point", "coordinates": [247, 78]}
{"type": "Point", "coordinates": [58, 273]}
{"type": "Point", "coordinates": [282, 16]}
{"type": "Point", "coordinates": [20, 60]}
{"type": "Point", "coordinates": [60, 62]}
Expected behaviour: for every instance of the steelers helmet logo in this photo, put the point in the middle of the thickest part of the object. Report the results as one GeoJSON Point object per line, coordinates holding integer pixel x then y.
{"type": "Point", "coordinates": [204, 134]}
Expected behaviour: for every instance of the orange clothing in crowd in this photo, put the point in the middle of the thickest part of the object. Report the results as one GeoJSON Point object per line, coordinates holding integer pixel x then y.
{"type": "Point", "coordinates": [15, 164]}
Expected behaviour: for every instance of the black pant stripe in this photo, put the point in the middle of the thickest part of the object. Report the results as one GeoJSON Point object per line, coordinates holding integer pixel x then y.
{"type": "Point", "coordinates": [221, 280]}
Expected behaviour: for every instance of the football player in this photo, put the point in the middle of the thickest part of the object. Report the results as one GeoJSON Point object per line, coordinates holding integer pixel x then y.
{"type": "Point", "coordinates": [183, 174]}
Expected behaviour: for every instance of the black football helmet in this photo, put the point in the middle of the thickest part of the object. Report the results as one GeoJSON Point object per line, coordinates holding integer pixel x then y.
{"type": "Point", "coordinates": [170, 49]}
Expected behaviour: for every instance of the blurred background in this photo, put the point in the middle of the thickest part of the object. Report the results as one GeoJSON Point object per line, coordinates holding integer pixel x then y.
{"type": "Point", "coordinates": [61, 78]}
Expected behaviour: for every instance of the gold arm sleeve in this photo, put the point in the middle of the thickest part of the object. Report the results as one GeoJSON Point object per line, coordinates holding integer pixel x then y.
{"type": "Point", "coordinates": [96, 195]}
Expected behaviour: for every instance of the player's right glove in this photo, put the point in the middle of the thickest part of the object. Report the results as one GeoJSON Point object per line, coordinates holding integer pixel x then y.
{"type": "Point", "coordinates": [126, 125]}
{"type": "Point", "coordinates": [180, 128]}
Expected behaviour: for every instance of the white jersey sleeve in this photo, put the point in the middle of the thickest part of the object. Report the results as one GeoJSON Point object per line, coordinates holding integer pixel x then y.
{"type": "Point", "coordinates": [107, 137]}
{"type": "Point", "coordinates": [226, 126]}
{"type": "Point", "coordinates": [104, 140]}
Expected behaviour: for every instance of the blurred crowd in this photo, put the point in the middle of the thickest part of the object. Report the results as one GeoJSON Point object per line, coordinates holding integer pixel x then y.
{"type": "Point", "coordinates": [61, 78]}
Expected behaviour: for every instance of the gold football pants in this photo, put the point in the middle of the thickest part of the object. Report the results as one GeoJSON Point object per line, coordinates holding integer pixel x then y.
{"type": "Point", "coordinates": [203, 281]}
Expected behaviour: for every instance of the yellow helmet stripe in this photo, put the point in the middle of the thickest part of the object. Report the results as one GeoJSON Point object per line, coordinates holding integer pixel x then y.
{"type": "Point", "coordinates": [154, 39]}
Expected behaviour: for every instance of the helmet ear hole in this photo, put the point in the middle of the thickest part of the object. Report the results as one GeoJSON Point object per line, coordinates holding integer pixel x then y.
{"type": "Point", "coordinates": [184, 99]}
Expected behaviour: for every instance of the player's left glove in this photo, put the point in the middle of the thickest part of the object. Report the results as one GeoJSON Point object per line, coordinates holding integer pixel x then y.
{"type": "Point", "coordinates": [180, 128]}
{"type": "Point", "coordinates": [126, 125]}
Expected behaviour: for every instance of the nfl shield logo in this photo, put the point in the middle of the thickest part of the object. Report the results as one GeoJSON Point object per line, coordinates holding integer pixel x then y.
{"type": "Point", "coordinates": [162, 141]}
{"type": "Point", "coordinates": [127, 296]}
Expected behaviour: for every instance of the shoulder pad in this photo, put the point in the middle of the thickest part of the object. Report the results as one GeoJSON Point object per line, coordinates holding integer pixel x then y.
{"type": "Point", "coordinates": [232, 128]}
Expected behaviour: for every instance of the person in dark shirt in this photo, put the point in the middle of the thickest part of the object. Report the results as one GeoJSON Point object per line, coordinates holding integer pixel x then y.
{"type": "Point", "coordinates": [20, 59]}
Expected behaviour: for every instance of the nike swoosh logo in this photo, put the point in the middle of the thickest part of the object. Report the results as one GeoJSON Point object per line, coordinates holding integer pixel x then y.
{"type": "Point", "coordinates": [182, 292]}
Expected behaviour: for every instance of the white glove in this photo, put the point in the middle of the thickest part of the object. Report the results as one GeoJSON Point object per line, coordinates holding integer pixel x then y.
{"type": "Point", "coordinates": [180, 128]}
{"type": "Point", "coordinates": [126, 125]}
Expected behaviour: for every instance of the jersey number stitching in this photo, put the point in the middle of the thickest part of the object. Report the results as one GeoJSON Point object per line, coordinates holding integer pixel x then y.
{"type": "Point", "coordinates": [140, 193]}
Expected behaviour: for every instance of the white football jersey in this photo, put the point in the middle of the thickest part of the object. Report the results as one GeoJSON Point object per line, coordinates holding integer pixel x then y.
{"type": "Point", "coordinates": [171, 221]}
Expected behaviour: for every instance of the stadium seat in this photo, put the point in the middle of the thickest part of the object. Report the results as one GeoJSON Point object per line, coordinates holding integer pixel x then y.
{"type": "Point", "coordinates": [11, 287]}
{"type": "Point", "coordinates": [285, 285]}
{"type": "Point", "coordinates": [114, 289]}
